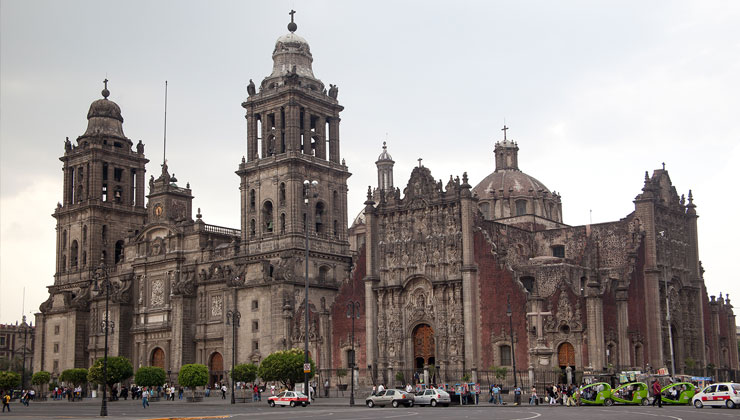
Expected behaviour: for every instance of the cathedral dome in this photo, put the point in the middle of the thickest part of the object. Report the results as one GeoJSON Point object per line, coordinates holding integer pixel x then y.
{"type": "Point", "coordinates": [385, 155]}
{"type": "Point", "coordinates": [104, 118]}
{"type": "Point", "coordinates": [292, 54]}
{"type": "Point", "coordinates": [509, 182]}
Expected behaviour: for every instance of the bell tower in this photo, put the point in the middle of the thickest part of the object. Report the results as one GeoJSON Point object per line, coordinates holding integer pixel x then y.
{"type": "Point", "coordinates": [103, 193]}
{"type": "Point", "coordinates": [293, 136]}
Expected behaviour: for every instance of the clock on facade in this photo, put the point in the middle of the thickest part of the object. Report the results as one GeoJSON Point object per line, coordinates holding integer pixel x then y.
{"type": "Point", "coordinates": [158, 210]}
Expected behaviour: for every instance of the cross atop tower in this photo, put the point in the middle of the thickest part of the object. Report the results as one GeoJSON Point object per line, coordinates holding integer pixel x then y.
{"type": "Point", "coordinates": [504, 130]}
{"type": "Point", "coordinates": [292, 25]}
{"type": "Point", "coordinates": [292, 12]}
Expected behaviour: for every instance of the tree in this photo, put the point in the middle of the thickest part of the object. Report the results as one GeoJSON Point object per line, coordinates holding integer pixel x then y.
{"type": "Point", "coordinates": [193, 375]}
{"type": "Point", "coordinates": [119, 369]}
{"type": "Point", "coordinates": [399, 377]}
{"type": "Point", "coordinates": [74, 376]}
{"type": "Point", "coordinates": [150, 376]}
{"type": "Point", "coordinates": [341, 373]}
{"type": "Point", "coordinates": [41, 378]}
{"type": "Point", "coordinates": [500, 372]}
{"type": "Point", "coordinates": [9, 380]}
{"type": "Point", "coordinates": [286, 367]}
{"type": "Point", "coordinates": [245, 372]}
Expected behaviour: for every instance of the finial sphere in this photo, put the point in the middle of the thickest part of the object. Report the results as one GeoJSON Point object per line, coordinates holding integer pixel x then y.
{"type": "Point", "coordinates": [292, 27]}
{"type": "Point", "coordinates": [105, 93]}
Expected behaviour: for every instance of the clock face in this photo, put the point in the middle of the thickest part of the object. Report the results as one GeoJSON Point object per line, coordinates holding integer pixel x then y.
{"type": "Point", "coordinates": [158, 210]}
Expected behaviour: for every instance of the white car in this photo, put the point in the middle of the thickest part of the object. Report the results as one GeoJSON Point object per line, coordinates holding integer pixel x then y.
{"type": "Point", "coordinates": [722, 394]}
{"type": "Point", "coordinates": [432, 397]}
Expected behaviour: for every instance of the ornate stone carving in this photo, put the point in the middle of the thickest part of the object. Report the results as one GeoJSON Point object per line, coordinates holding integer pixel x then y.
{"type": "Point", "coordinates": [185, 283]}
{"type": "Point", "coordinates": [217, 306]}
{"type": "Point", "coordinates": [157, 296]}
{"type": "Point", "coordinates": [81, 299]}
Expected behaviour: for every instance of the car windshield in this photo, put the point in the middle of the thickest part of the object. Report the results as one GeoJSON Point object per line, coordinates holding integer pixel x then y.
{"type": "Point", "coordinates": [709, 389]}
{"type": "Point", "coordinates": [300, 395]}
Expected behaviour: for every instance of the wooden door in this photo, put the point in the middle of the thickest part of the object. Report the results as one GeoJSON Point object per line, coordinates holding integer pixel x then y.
{"type": "Point", "coordinates": [566, 355]}
{"type": "Point", "coordinates": [424, 343]}
{"type": "Point", "coordinates": [158, 358]}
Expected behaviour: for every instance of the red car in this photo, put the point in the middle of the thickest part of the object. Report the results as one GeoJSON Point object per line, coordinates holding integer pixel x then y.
{"type": "Point", "coordinates": [291, 398]}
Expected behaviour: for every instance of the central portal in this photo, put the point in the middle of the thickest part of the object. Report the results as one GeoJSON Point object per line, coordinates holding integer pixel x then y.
{"type": "Point", "coordinates": [423, 346]}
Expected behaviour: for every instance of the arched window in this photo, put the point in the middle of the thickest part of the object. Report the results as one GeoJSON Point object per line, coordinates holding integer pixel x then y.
{"type": "Point", "coordinates": [252, 200]}
{"type": "Point", "coordinates": [84, 258]}
{"type": "Point", "coordinates": [282, 222]}
{"type": "Point", "coordinates": [611, 355]}
{"type": "Point", "coordinates": [118, 194]}
{"type": "Point", "coordinates": [119, 252]}
{"type": "Point", "coordinates": [521, 207]}
{"type": "Point", "coordinates": [73, 253]}
{"type": "Point", "coordinates": [267, 217]}
{"type": "Point", "coordinates": [84, 234]}
{"type": "Point", "coordinates": [64, 263]}
{"type": "Point", "coordinates": [158, 358]}
{"type": "Point", "coordinates": [319, 217]}
{"type": "Point", "coordinates": [323, 274]}
{"type": "Point", "coordinates": [504, 352]}
{"type": "Point", "coordinates": [104, 234]}
{"type": "Point", "coordinates": [335, 200]}
{"type": "Point", "coordinates": [336, 229]}
{"type": "Point", "coordinates": [252, 228]}
{"type": "Point", "coordinates": [281, 196]}
{"type": "Point", "coordinates": [64, 239]}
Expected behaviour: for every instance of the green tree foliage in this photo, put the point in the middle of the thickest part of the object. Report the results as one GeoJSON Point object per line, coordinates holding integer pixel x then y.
{"type": "Point", "coordinates": [341, 373]}
{"type": "Point", "coordinates": [9, 380]}
{"type": "Point", "coordinates": [41, 378]}
{"type": "Point", "coordinates": [150, 376]}
{"type": "Point", "coordinates": [193, 375]}
{"type": "Point", "coordinates": [286, 367]}
{"type": "Point", "coordinates": [119, 369]}
{"type": "Point", "coordinates": [74, 376]}
{"type": "Point", "coordinates": [500, 372]}
{"type": "Point", "coordinates": [245, 372]}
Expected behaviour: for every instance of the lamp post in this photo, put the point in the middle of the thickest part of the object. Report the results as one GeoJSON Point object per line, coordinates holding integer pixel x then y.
{"type": "Point", "coordinates": [24, 325]}
{"type": "Point", "coordinates": [353, 312]}
{"type": "Point", "coordinates": [232, 318]}
{"type": "Point", "coordinates": [511, 334]}
{"type": "Point", "coordinates": [101, 276]}
{"type": "Point", "coordinates": [308, 191]}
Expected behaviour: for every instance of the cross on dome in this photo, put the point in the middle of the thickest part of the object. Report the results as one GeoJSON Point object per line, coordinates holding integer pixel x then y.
{"type": "Point", "coordinates": [292, 26]}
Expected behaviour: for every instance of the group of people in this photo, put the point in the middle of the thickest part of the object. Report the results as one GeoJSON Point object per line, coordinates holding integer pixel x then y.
{"type": "Point", "coordinates": [71, 394]}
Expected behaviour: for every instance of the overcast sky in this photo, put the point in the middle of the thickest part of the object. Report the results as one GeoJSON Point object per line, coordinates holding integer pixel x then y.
{"type": "Point", "coordinates": [595, 93]}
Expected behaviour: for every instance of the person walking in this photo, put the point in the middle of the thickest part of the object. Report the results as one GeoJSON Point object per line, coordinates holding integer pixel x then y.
{"type": "Point", "coordinates": [517, 396]}
{"type": "Point", "coordinates": [6, 402]}
{"type": "Point", "coordinates": [223, 391]}
{"type": "Point", "coordinates": [656, 394]}
{"type": "Point", "coordinates": [533, 399]}
{"type": "Point", "coordinates": [326, 388]}
{"type": "Point", "coordinates": [145, 398]}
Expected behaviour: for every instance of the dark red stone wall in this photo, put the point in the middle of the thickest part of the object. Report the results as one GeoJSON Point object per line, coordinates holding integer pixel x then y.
{"type": "Point", "coordinates": [636, 306]}
{"type": "Point", "coordinates": [495, 283]}
{"type": "Point", "coordinates": [353, 289]}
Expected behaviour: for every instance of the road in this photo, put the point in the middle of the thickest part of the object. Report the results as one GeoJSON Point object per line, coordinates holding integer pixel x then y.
{"type": "Point", "coordinates": [338, 409]}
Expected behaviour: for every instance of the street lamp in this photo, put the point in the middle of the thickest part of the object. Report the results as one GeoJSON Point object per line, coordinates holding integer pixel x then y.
{"type": "Point", "coordinates": [353, 312]}
{"type": "Point", "coordinates": [24, 326]}
{"type": "Point", "coordinates": [309, 189]}
{"type": "Point", "coordinates": [511, 333]}
{"type": "Point", "coordinates": [101, 276]}
{"type": "Point", "coordinates": [232, 318]}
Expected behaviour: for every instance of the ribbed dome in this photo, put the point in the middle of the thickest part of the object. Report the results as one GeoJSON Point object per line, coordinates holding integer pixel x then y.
{"type": "Point", "coordinates": [385, 155]}
{"type": "Point", "coordinates": [505, 183]}
{"type": "Point", "coordinates": [292, 51]}
{"type": "Point", "coordinates": [104, 118]}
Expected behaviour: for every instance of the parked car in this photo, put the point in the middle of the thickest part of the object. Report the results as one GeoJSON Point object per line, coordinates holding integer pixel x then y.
{"type": "Point", "coordinates": [432, 397]}
{"type": "Point", "coordinates": [596, 394]}
{"type": "Point", "coordinates": [291, 398]}
{"type": "Point", "coordinates": [392, 397]}
{"type": "Point", "coordinates": [678, 393]}
{"type": "Point", "coordinates": [717, 395]}
{"type": "Point", "coordinates": [631, 393]}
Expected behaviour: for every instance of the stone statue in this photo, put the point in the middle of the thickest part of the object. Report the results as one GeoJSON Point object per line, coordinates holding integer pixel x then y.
{"type": "Point", "coordinates": [250, 88]}
{"type": "Point", "coordinates": [333, 91]}
{"type": "Point", "coordinates": [151, 182]}
{"type": "Point", "coordinates": [67, 145]}
{"type": "Point", "coordinates": [140, 147]}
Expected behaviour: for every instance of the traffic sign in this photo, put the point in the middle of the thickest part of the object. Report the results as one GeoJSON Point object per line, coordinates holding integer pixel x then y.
{"type": "Point", "coordinates": [306, 368]}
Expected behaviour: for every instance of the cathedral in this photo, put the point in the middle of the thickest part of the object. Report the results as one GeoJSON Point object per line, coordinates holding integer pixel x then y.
{"type": "Point", "coordinates": [445, 275]}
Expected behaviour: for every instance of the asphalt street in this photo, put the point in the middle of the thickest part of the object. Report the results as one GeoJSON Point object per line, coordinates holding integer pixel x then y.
{"type": "Point", "coordinates": [339, 409]}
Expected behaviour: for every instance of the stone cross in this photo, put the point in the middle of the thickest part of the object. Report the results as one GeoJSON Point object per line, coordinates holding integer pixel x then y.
{"type": "Point", "coordinates": [504, 130]}
{"type": "Point", "coordinates": [538, 322]}
{"type": "Point", "coordinates": [292, 12]}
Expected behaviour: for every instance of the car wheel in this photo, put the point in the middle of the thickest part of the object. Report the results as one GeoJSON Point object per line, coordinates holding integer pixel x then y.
{"type": "Point", "coordinates": [645, 402]}
{"type": "Point", "coordinates": [730, 404]}
{"type": "Point", "coordinates": [370, 404]}
{"type": "Point", "coordinates": [395, 404]}
{"type": "Point", "coordinates": [304, 404]}
{"type": "Point", "coordinates": [608, 402]}
{"type": "Point", "coordinates": [698, 404]}
{"type": "Point", "coordinates": [411, 404]}
{"type": "Point", "coordinates": [292, 403]}
{"type": "Point", "coordinates": [433, 403]}
{"type": "Point", "coordinates": [271, 403]}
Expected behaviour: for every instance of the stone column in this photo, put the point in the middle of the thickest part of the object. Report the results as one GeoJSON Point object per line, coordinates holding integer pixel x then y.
{"type": "Point", "coordinates": [469, 278]}
{"type": "Point", "coordinates": [371, 279]}
{"type": "Point", "coordinates": [140, 186]}
{"type": "Point", "coordinates": [321, 133]}
{"type": "Point", "coordinates": [622, 325]}
{"type": "Point", "coordinates": [714, 336]}
{"type": "Point", "coordinates": [595, 324]}
{"type": "Point", "coordinates": [334, 139]}
{"type": "Point", "coordinates": [292, 126]}
{"type": "Point", "coordinates": [252, 135]}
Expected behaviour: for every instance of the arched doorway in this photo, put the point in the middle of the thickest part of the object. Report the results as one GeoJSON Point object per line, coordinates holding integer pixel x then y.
{"type": "Point", "coordinates": [216, 368]}
{"type": "Point", "coordinates": [158, 358]}
{"type": "Point", "coordinates": [423, 346]}
{"type": "Point", "coordinates": [566, 359]}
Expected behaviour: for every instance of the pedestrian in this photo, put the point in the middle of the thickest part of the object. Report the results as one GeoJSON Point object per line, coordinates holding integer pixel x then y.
{"type": "Point", "coordinates": [517, 396]}
{"type": "Point", "coordinates": [375, 390]}
{"type": "Point", "coordinates": [223, 391]}
{"type": "Point", "coordinates": [145, 398]}
{"type": "Point", "coordinates": [124, 393]}
{"type": "Point", "coordinates": [6, 402]}
{"type": "Point", "coordinates": [656, 394]}
{"type": "Point", "coordinates": [326, 388]}
{"type": "Point", "coordinates": [533, 399]}
{"type": "Point", "coordinates": [208, 390]}
{"type": "Point", "coordinates": [179, 392]}
{"type": "Point", "coordinates": [381, 388]}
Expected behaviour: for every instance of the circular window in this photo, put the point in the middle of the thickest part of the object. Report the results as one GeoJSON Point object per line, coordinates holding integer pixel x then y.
{"type": "Point", "coordinates": [565, 329]}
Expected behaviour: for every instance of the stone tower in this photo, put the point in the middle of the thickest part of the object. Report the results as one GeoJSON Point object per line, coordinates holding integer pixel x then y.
{"type": "Point", "coordinates": [103, 204]}
{"type": "Point", "coordinates": [293, 137]}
